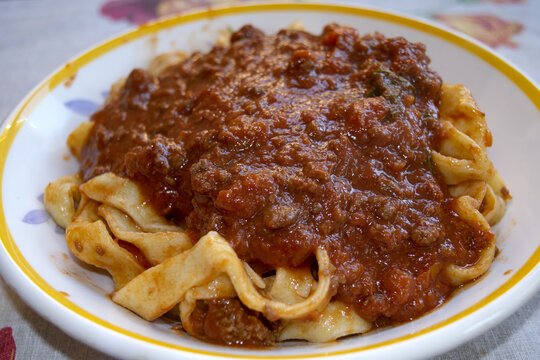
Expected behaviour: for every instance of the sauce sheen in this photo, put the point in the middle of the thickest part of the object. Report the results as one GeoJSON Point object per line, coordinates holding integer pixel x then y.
{"type": "Point", "coordinates": [290, 142]}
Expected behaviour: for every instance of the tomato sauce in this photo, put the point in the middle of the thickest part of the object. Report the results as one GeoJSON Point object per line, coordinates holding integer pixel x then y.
{"type": "Point", "coordinates": [289, 142]}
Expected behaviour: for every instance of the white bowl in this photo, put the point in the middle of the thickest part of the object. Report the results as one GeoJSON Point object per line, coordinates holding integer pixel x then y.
{"type": "Point", "coordinates": [36, 262]}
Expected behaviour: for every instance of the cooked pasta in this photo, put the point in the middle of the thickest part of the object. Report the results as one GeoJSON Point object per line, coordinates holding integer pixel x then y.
{"type": "Point", "coordinates": [174, 210]}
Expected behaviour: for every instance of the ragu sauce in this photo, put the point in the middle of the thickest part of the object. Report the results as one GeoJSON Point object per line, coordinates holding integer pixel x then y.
{"type": "Point", "coordinates": [294, 141]}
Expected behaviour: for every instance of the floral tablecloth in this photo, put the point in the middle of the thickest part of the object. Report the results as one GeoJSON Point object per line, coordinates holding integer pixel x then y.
{"type": "Point", "coordinates": [36, 36]}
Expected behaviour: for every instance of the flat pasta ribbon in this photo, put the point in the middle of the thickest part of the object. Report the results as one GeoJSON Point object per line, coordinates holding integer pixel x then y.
{"type": "Point", "coordinates": [158, 289]}
{"type": "Point", "coordinates": [88, 238]}
{"type": "Point", "coordinates": [78, 137]}
{"type": "Point", "coordinates": [61, 199]}
{"type": "Point", "coordinates": [125, 195]}
{"type": "Point", "coordinates": [156, 247]}
{"type": "Point", "coordinates": [290, 286]}
{"type": "Point", "coordinates": [334, 321]}
{"type": "Point", "coordinates": [470, 176]}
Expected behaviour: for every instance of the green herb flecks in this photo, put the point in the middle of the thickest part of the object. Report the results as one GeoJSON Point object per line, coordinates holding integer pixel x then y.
{"type": "Point", "coordinates": [392, 87]}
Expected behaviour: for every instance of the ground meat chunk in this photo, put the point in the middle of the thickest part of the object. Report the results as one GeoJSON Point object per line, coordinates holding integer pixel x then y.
{"type": "Point", "coordinates": [226, 321]}
{"type": "Point", "coordinates": [280, 216]}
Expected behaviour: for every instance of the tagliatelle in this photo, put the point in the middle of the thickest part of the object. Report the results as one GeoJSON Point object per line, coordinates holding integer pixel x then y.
{"type": "Point", "coordinates": [157, 266]}
{"type": "Point", "coordinates": [212, 259]}
{"type": "Point", "coordinates": [116, 202]}
{"type": "Point", "coordinates": [336, 320]}
{"type": "Point", "coordinates": [78, 137]}
{"type": "Point", "coordinates": [88, 239]}
{"type": "Point", "coordinates": [458, 107]}
{"type": "Point", "coordinates": [61, 198]}
{"type": "Point", "coordinates": [156, 247]}
{"type": "Point", "coordinates": [126, 196]}
{"type": "Point", "coordinates": [460, 158]}
{"type": "Point", "coordinates": [469, 174]}
{"type": "Point", "coordinates": [158, 289]}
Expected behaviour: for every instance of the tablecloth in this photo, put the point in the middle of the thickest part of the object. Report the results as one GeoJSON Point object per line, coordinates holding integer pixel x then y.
{"type": "Point", "coordinates": [38, 36]}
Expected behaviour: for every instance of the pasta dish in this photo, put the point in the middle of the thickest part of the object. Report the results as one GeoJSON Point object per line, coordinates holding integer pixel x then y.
{"type": "Point", "coordinates": [287, 186]}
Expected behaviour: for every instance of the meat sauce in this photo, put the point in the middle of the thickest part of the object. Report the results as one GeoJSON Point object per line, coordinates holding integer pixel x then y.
{"type": "Point", "coordinates": [291, 142]}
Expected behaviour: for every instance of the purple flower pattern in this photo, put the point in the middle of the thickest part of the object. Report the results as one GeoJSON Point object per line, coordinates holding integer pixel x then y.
{"type": "Point", "coordinates": [36, 216]}
{"type": "Point", "coordinates": [82, 106]}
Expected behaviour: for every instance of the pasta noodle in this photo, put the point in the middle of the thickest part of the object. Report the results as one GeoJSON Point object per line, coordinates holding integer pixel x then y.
{"type": "Point", "coordinates": [61, 199]}
{"type": "Point", "coordinates": [87, 238]}
{"type": "Point", "coordinates": [156, 247]}
{"type": "Point", "coordinates": [160, 288]}
{"type": "Point", "coordinates": [467, 170]}
{"type": "Point", "coordinates": [111, 223]}
{"type": "Point", "coordinates": [125, 195]}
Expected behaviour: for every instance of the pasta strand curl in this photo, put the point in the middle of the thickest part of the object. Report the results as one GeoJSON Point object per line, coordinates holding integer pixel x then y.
{"type": "Point", "coordinates": [158, 289]}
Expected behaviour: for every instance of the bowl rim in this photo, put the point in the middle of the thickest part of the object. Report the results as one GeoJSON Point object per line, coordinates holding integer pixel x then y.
{"type": "Point", "coordinates": [14, 263]}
